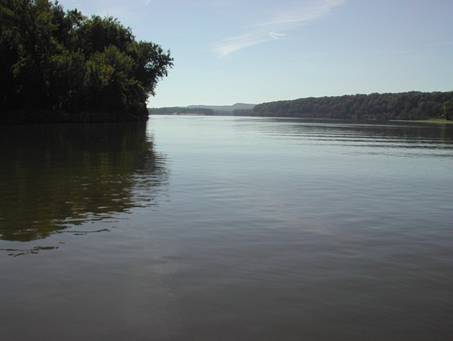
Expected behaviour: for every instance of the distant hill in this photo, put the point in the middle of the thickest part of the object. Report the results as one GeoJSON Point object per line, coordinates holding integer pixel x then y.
{"type": "Point", "coordinates": [180, 111]}
{"type": "Point", "coordinates": [373, 107]}
{"type": "Point", "coordinates": [235, 109]}
{"type": "Point", "coordinates": [228, 108]}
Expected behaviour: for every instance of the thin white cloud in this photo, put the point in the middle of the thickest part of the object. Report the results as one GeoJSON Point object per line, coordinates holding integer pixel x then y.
{"type": "Point", "coordinates": [277, 27]}
{"type": "Point", "coordinates": [234, 44]}
{"type": "Point", "coordinates": [276, 35]}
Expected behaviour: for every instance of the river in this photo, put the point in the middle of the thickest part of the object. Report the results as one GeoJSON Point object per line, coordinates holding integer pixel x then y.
{"type": "Point", "coordinates": [226, 228]}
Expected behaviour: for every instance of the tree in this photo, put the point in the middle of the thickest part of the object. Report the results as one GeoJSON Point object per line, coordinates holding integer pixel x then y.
{"type": "Point", "coordinates": [58, 61]}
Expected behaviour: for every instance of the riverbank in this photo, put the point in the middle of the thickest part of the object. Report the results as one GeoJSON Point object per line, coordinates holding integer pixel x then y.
{"type": "Point", "coordinates": [439, 121]}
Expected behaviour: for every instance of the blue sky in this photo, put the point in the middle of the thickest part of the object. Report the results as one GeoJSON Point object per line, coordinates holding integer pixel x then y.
{"type": "Point", "coordinates": [229, 51]}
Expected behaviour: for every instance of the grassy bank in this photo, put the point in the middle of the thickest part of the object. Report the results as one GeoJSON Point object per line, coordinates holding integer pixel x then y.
{"type": "Point", "coordinates": [440, 121]}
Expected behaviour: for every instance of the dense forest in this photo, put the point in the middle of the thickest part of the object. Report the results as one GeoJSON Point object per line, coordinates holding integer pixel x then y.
{"type": "Point", "coordinates": [381, 107]}
{"type": "Point", "coordinates": [60, 65]}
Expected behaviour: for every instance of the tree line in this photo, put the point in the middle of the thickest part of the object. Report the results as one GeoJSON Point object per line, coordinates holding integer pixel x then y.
{"type": "Point", "coordinates": [64, 63]}
{"type": "Point", "coordinates": [181, 111]}
{"type": "Point", "coordinates": [389, 106]}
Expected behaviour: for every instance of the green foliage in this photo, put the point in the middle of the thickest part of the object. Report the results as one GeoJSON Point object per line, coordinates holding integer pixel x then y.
{"type": "Point", "coordinates": [63, 61]}
{"type": "Point", "coordinates": [399, 106]}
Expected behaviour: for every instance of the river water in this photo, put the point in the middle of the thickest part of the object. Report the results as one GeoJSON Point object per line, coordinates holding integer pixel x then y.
{"type": "Point", "coordinates": [226, 228]}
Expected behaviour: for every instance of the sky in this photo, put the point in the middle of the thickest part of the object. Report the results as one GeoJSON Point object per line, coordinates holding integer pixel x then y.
{"type": "Point", "coordinates": [229, 51]}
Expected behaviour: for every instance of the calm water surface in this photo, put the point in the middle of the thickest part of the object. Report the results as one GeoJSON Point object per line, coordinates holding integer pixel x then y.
{"type": "Point", "coordinates": [221, 228]}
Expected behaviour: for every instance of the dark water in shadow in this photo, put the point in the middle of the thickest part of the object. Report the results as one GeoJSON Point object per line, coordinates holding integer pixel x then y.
{"type": "Point", "coordinates": [217, 228]}
{"type": "Point", "coordinates": [57, 176]}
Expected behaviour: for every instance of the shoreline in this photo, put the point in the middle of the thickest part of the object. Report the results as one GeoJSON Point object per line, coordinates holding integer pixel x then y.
{"type": "Point", "coordinates": [433, 121]}
{"type": "Point", "coordinates": [436, 121]}
{"type": "Point", "coordinates": [52, 117]}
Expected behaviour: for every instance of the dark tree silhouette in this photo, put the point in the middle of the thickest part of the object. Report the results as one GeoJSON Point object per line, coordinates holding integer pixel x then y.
{"type": "Point", "coordinates": [61, 65]}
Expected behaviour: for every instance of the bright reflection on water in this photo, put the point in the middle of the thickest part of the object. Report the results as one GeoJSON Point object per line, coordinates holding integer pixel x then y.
{"type": "Point", "coordinates": [221, 228]}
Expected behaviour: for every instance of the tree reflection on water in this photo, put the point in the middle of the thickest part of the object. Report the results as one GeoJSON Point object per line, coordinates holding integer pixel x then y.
{"type": "Point", "coordinates": [57, 176]}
